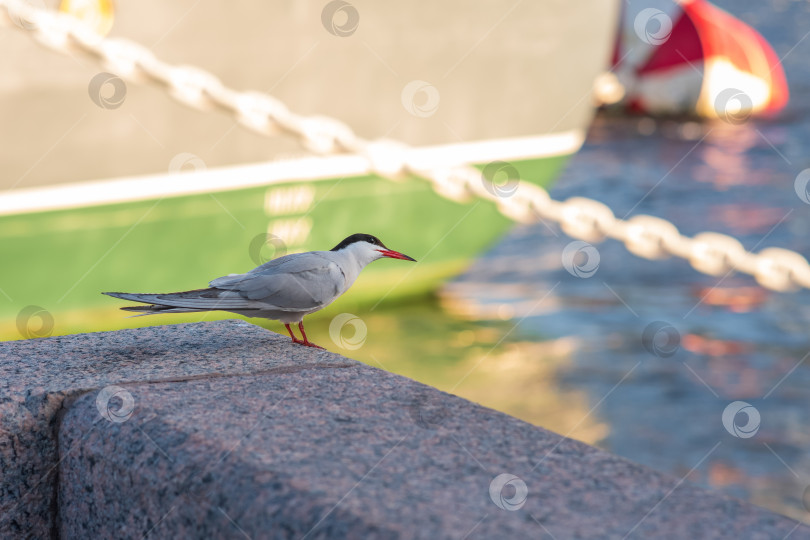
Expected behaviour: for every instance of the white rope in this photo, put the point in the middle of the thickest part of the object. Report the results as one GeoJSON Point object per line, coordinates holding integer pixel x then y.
{"type": "Point", "coordinates": [646, 236]}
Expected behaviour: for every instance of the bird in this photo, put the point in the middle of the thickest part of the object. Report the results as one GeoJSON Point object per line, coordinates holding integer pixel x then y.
{"type": "Point", "coordinates": [285, 289]}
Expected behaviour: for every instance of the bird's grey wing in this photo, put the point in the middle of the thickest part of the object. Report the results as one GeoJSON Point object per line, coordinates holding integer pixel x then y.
{"type": "Point", "coordinates": [294, 284]}
{"type": "Point", "coordinates": [281, 265]}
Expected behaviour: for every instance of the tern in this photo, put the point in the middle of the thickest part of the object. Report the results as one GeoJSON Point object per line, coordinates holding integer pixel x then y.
{"type": "Point", "coordinates": [284, 289]}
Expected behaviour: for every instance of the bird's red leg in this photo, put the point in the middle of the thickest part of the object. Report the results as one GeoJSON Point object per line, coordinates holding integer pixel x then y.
{"type": "Point", "coordinates": [307, 342]}
{"type": "Point", "coordinates": [295, 339]}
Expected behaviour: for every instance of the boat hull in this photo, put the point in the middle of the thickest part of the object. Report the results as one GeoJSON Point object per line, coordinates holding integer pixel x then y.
{"type": "Point", "coordinates": [171, 243]}
{"type": "Point", "coordinates": [459, 86]}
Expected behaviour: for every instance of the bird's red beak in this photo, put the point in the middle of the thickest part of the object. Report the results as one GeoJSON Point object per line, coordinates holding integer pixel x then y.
{"type": "Point", "coordinates": [395, 255]}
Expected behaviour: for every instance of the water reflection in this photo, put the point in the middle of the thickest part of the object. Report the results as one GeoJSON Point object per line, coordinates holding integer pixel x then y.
{"type": "Point", "coordinates": [480, 361]}
{"type": "Point", "coordinates": [662, 350]}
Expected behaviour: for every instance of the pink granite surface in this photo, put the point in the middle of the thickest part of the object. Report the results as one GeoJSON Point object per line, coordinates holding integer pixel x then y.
{"type": "Point", "coordinates": [37, 375]}
{"type": "Point", "coordinates": [224, 430]}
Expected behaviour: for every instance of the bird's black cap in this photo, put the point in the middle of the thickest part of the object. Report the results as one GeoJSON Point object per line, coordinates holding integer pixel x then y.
{"type": "Point", "coordinates": [359, 237]}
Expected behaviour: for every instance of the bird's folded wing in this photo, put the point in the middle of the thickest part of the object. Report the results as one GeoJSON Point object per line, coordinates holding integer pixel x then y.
{"type": "Point", "coordinates": [294, 285]}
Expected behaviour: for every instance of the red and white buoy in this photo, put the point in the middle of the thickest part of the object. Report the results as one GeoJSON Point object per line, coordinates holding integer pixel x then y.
{"type": "Point", "coordinates": [691, 57]}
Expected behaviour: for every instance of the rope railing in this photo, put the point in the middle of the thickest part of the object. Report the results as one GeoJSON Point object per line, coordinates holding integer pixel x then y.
{"type": "Point", "coordinates": [586, 219]}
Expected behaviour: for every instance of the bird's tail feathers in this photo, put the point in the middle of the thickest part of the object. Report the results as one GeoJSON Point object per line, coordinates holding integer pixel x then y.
{"type": "Point", "coordinates": [158, 309]}
{"type": "Point", "coordinates": [185, 302]}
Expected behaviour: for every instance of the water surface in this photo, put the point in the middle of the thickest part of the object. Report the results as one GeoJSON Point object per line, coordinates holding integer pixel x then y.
{"type": "Point", "coordinates": [730, 340]}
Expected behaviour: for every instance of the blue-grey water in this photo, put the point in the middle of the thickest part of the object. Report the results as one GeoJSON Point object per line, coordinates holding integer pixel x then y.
{"type": "Point", "coordinates": [730, 339]}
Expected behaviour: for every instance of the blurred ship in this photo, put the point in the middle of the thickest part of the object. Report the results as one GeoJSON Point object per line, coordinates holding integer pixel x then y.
{"type": "Point", "coordinates": [142, 193]}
